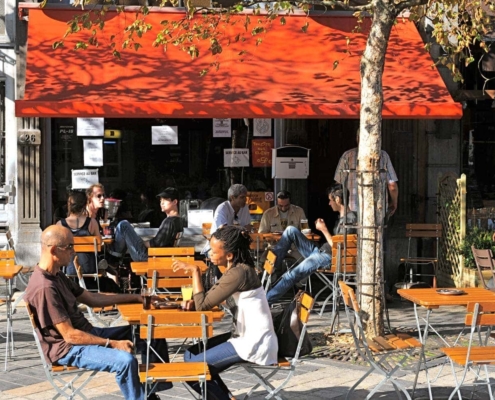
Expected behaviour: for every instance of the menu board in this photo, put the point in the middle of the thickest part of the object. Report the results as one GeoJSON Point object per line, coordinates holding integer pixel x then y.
{"type": "Point", "coordinates": [262, 152]}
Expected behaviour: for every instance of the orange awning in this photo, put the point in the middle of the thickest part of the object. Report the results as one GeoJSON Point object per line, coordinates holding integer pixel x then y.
{"type": "Point", "coordinates": [290, 75]}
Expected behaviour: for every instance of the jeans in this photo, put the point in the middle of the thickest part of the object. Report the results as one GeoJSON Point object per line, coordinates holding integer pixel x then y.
{"type": "Point", "coordinates": [220, 355]}
{"type": "Point", "coordinates": [313, 260]}
{"type": "Point", "coordinates": [126, 238]}
{"type": "Point", "coordinates": [124, 364]}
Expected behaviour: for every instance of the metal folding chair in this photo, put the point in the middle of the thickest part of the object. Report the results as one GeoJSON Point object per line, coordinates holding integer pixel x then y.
{"type": "Point", "coordinates": [484, 262]}
{"type": "Point", "coordinates": [268, 268]}
{"type": "Point", "coordinates": [385, 354]}
{"type": "Point", "coordinates": [58, 375]}
{"type": "Point", "coordinates": [305, 305]}
{"type": "Point", "coordinates": [477, 355]}
{"type": "Point", "coordinates": [175, 325]}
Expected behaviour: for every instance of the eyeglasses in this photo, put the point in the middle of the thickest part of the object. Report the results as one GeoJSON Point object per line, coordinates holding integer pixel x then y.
{"type": "Point", "coordinates": [69, 246]}
{"type": "Point", "coordinates": [100, 196]}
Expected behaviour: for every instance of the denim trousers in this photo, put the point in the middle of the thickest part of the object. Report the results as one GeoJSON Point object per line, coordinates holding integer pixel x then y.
{"type": "Point", "coordinates": [126, 239]}
{"type": "Point", "coordinates": [220, 355]}
{"type": "Point", "coordinates": [313, 259]}
{"type": "Point", "coordinates": [124, 364]}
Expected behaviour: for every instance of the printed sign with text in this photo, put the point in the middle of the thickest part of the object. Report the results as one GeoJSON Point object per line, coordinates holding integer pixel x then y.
{"type": "Point", "coordinates": [222, 127]}
{"type": "Point", "coordinates": [84, 178]}
{"type": "Point", "coordinates": [90, 126]}
{"type": "Point", "coordinates": [236, 157]}
{"type": "Point", "coordinates": [167, 135]}
{"type": "Point", "coordinates": [262, 152]}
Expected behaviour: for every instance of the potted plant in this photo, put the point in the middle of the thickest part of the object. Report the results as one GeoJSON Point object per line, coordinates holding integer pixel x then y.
{"type": "Point", "coordinates": [480, 239]}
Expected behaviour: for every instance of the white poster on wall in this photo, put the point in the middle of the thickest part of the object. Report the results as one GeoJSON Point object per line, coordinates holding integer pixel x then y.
{"type": "Point", "coordinates": [236, 157]}
{"type": "Point", "coordinates": [222, 127]}
{"type": "Point", "coordinates": [93, 152]}
{"type": "Point", "coordinates": [164, 135]}
{"type": "Point", "coordinates": [84, 178]}
{"type": "Point", "coordinates": [262, 127]}
{"type": "Point", "coordinates": [90, 126]}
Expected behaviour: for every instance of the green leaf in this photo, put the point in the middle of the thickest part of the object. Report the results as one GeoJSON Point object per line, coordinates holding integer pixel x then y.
{"type": "Point", "coordinates": [282, 21]}
{"type": "Point", "coordinates": [116, 54]}
{"type": "Point", "coordinates": [335, 64]}
{"type": "Point", "coordinates": [305, 27]}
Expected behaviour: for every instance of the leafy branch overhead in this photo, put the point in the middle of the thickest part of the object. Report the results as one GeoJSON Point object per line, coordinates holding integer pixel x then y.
{"type": "Point", "coordinates": [454, 25]}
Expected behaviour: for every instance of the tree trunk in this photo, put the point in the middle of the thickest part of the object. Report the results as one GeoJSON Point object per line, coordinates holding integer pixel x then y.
{"type": "Point", "coordinates": [372, 184]}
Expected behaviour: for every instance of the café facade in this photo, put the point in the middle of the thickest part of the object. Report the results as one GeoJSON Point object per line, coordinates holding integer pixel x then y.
{"type": "Point", "coordinates": [304, 85]}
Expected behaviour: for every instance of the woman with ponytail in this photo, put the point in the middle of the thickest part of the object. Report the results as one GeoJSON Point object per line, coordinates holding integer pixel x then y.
{"type": "Point", "coordinates": [252, 337]}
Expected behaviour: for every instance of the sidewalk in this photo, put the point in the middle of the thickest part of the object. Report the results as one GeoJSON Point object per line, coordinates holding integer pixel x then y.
{"type": "Point", "coordinates": [319, 376]}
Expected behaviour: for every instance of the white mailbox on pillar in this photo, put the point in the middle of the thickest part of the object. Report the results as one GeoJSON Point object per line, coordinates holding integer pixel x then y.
{"type": "Point", "coordinates": [290, 162]}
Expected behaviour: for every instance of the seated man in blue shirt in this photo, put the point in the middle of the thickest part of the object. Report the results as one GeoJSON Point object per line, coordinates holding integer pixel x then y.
{"type": "Point", "coordinates": [314, 257]}
{"type": "Point", "coordinates": [126, 237]}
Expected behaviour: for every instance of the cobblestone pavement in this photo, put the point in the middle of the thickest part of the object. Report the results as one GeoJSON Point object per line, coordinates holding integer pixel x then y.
{"type": "Point", "coordinates": [319, 376]}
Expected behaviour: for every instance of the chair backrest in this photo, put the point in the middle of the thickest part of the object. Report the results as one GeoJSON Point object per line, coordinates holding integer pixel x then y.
{"type": "Point", "coordinates": [167, 278]}
{"type": "Point", "coordinates": [166, 262]}
{"type": "Point", "coordinates": [268, 268]}
{"type": "Point", "coordinates": [206, 227]}
{"type": "Point", "coordinates": [480, 314]}
{"type": "Point", "coordinates": [7, 257]}
{"type": "Point", "coordinates": [178, 238]}
{"type": "Point", "coordinates": [423, 230]}
{"type": "Point", "coordinates": [305, 304]}
{"type": "Point", "coordinates": [87, 244]}
{"type": "Point", "coordinates": [170, 251]}
{"type": "Point", "coordinates": [177, 325]}
{"type": "Point", "coordinates": [344, 254]}
{"type": "Point", "coordinates": [484, 261]}
{"type": "Point", "coordinates": [34, 325]}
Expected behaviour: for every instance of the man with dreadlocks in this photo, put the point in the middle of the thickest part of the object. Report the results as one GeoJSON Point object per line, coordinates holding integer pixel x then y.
{"type": "Point", "coordinates": [252, 338]}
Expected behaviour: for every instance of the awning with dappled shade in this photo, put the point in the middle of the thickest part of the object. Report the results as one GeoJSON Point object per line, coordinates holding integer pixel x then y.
{"type": "Point", "coordinates": [290, 75]}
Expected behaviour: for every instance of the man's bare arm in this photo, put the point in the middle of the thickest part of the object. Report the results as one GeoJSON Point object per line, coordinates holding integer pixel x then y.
{"type": "Point", "coordinates": [77, 337]}
{"type": "Point", "coordinates": [393, 190]}
{"type": "Point", "coordinates": [107, 299]}
{"type": "Point", "coordinates": [321, 226]}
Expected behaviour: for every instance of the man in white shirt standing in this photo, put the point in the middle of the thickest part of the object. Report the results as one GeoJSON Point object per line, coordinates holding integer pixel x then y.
{"type": "Point", "coordinates": [234, 211]}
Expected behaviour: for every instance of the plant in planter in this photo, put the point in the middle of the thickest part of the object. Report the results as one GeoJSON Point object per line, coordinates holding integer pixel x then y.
{"type": "Point", "coordinates": [480, 239]}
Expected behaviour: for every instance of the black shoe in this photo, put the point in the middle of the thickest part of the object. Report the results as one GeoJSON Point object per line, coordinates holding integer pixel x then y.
{"type": "Point", "coordinates": [153, 396]}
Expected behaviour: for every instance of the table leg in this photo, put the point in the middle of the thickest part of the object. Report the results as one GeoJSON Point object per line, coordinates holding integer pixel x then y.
{"type": "Point", "coordinates": [9, 337]}
{"type": "Point", "coordinates": [423, 336]}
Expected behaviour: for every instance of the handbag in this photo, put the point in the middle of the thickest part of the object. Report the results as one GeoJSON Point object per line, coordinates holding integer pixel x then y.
{"type": "Point", "coordinates": [288, 329]}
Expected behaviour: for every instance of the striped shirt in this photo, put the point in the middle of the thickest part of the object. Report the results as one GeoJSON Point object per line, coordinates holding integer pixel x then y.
{"type": "Point", "coordinates": [348, 161]}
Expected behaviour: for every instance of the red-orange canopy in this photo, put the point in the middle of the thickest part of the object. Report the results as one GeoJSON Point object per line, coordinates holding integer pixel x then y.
{"type": "Point", "coordinates": [290, 75]}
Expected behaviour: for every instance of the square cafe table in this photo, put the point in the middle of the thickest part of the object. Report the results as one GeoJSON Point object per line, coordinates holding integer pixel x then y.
{"type": "Point", "coordinates": [9, 272]}
{"type": "Point", "coordinates": [131, 312]}
{"type": "Point", "coordinates": [430, 299]}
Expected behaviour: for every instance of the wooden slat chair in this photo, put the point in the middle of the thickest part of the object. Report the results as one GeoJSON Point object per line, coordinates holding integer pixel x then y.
{"type": "Point", "coordinates": [94, 313]}
{"type": "Point", "coordinates": [268, 268]}
{"type": "Point", "coordinates": [58, 375]}
{"type": "Point", "coordinates": [156, 252]}
{"type": "Point", "coordinates": [166, 280]}
{"type": "Point", "coordinates": [385, 354]}
{"type": "Point", "coordinates": [477, 355]}
{"type": "Point", "coordinates": [417, 232]}
{"type": "Point", "coordinates": [205, 228]}
{"type": "Point", "coordinates": [89, 244]}
{"type": "Point", "coordinates": [343, 267]}
{"type": "Point", "coordinates": [484, 262]}
{"type": "Point", "coordinates": [305, 305]}
{"type": "Point", "coordinates": [171, 325]}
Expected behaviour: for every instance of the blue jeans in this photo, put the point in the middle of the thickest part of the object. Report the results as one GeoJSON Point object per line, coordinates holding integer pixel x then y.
{"type": "Point", "coordinates": [124, 364]}
{"type": "Point", "coordinates": [126, 239]}
{"type": "Point", "coordinates": [313, 259]}
{"type": "Point", "coordinates": [220, 355]}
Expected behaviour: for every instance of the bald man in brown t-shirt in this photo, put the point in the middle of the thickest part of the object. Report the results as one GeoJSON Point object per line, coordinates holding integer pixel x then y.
{"type": "Point", "coordinates": [66, 336]}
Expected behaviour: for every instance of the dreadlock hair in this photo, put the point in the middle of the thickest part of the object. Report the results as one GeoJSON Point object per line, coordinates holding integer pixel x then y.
{"type": "Point", "coordinates": [236, 240]}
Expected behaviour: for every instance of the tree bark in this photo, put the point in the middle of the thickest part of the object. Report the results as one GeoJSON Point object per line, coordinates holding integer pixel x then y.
{"type": "Point", "coordinates": [372, 184]}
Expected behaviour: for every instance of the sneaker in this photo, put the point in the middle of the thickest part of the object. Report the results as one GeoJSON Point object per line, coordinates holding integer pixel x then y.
{"type": "Point", "coordinates": [153, 396]}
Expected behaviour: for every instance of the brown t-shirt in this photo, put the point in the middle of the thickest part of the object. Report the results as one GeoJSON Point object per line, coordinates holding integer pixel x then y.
{"type": "Point", "coordinates": [240, 278]}
{"type": "Point", "coordinates": [53, 300]}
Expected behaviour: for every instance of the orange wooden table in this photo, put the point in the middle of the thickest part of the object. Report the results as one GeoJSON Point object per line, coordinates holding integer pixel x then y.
{"type": "Point", "coordinates": [9, 272]}
{"type": "Point", "coordinates": [142, 267]}
{"type": "Point", "coordinates": [131, 312]}
{"type": "Point", "coordinates": [430, 299]}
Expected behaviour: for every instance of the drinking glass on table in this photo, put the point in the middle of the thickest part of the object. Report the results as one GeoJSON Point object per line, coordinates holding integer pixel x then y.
{"type": "Point", "coordinates": [146, 293]}
{"type": "Point", "coordinates": [304, 224]}
{"type": "Point", "coordinates": [187, 292]}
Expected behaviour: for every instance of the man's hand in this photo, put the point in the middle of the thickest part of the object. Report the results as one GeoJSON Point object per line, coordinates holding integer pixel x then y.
{"type": "Point", "coordinates": [320, 225]}
{"type": "Point", "coordinates": [124, 345]}
{"type": "Point", "coordinates": [391, 209]}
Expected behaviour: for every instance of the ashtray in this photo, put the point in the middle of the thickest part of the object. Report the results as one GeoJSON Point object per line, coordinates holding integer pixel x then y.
{"type": "Point", "coordinates": [451, 292]}
{"type": "Point", "coordinates": [165, 305]}
{"type": "Point", "coordinates": [306, 231]}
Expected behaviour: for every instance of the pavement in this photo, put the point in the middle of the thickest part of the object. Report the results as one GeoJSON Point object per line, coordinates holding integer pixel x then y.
{"type": "Point", "coordinates": [328, 373]}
